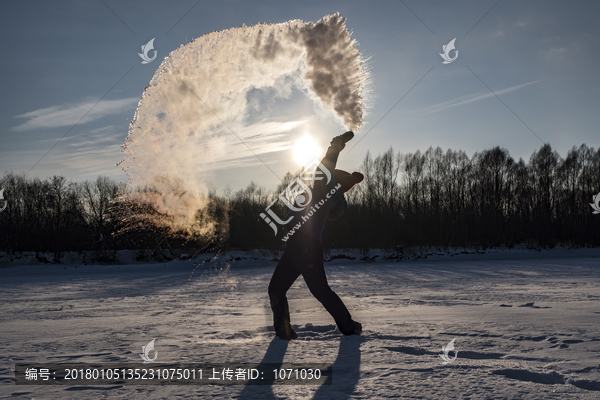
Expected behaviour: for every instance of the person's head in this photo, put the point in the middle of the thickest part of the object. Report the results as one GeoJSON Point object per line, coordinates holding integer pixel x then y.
{"type": "Point", "coordinates": [346, 179]}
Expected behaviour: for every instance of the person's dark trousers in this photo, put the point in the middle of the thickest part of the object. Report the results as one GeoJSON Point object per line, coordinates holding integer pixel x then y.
{"type": "Point", "coordinates": [304, 256]}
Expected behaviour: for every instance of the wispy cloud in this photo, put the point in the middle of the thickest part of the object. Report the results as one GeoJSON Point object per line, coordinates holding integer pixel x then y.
{"type": "Point", "coordinates": [263, 137]}
{"type": "Point", "coordinates": [69, 115]}
{"type": "Point", "coordinates": [85, 156]}
{"type": "Point", "coordinates": [471, 98]}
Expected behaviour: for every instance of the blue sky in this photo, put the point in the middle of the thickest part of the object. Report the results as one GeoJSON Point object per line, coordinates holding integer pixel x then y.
{"type": "Point", "coordinates": [539, 57]}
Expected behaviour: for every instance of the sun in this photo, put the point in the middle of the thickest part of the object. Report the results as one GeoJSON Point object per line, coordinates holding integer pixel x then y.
{"type": "Point", "coordinates": [306, 151]}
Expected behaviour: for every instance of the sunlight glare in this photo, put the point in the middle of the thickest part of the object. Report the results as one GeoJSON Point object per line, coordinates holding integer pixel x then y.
{"type": "Point", "coordinates": [306, 150]}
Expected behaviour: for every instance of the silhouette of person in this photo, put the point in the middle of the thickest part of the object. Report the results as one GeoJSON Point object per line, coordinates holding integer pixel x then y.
{"type": "Point", "coordinates": [303, 254]}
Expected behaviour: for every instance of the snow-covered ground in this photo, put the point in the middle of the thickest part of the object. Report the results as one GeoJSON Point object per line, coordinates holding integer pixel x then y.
{"type": "Point", "coordinates": [216, 310]}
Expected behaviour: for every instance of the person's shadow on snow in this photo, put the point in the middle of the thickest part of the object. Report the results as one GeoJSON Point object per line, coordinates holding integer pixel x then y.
{"type": "Point", "coordinates": [274, 355]}
{"type": "Point", "coordinates": [346, 371]}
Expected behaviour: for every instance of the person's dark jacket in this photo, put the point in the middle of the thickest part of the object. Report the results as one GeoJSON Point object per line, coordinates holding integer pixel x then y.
{"type": "Point", "coordinates": [328, 201]}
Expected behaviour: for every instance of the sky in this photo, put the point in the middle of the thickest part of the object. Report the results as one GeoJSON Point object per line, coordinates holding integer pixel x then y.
{"type": "Point", "coordinates": [525, 75]}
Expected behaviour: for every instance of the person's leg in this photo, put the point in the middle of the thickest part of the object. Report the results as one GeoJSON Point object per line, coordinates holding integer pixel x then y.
{"type": "Point", "coordinates": [283, 278]}
{"type": "Point", "coordinates": [313, 272]}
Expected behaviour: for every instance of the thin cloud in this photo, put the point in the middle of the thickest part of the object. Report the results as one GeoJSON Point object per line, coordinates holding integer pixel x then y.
{"type": "Point", "coordinates": [57, 116]}
{"type": "Point", "coordinates": [105, 134]}
{"type": "Point", "coordinates": [258, 130]}
{"type": "Point", "coordinates": [471, 98]}
{"type": "Point", "coordinates": [262, 137]}
{"type": "Point", "coordinates": [75, 162]}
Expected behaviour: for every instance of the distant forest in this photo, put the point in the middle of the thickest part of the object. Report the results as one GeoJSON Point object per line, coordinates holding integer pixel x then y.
{"type": "Point", "coordinates": [434, 198]}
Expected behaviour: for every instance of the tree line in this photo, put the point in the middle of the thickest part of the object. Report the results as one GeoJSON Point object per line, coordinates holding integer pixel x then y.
{"type": "Point", "coordinates": [441, 198]}
{"type": "Point", "coordinates": [434, 198]}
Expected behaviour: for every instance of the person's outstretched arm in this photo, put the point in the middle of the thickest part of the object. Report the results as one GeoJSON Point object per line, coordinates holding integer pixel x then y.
{"type": "Point", "coordinates": [330, 160]}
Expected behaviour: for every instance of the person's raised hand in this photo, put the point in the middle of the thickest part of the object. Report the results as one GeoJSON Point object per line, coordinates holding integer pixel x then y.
{"type": "Point", "coordinates": [338, 143]}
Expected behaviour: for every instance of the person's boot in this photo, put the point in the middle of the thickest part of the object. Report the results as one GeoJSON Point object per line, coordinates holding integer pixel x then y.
{"type": "Point", "coordinates": [357, 329]}
{"type": "Point", "coordinates": [281, 319]}
{"type": "Point", "coordinates": [286, 332]}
